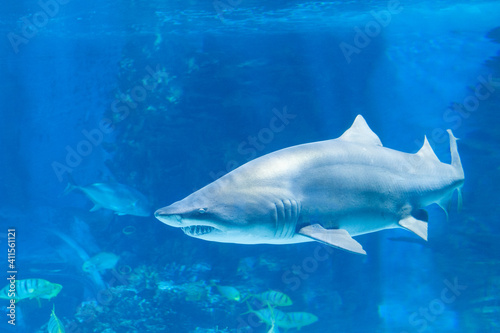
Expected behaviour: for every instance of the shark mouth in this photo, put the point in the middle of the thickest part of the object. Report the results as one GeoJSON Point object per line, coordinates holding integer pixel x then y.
{"type": "Point", "coordinates": [198, 230]}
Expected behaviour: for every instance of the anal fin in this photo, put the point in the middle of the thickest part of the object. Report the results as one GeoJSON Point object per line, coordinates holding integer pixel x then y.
{"type": "Point", "coordinates": [416, 226]}
{"type": "Point", "coordinates": [338, 238]}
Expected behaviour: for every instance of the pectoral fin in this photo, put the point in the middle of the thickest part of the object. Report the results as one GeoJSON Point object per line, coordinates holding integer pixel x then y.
{"type": "Point", "coordinates": [96, 207]}
{"type": "Point", "coordinates": [338, 238]}
{"type": "Point", "coordinates": [414, 225]}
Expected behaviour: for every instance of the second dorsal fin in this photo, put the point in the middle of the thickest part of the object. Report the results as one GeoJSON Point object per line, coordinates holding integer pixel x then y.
{"type": "Point", "coordinates": [359, 132]}
{"type": "Point", "coordinates": [427, 152]}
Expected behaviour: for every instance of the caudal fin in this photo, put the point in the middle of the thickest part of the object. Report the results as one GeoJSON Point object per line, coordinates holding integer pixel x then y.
{"type": "Point", "coordinates": [445, 201]}
{"type": "Point", "coordinates": [455, 157]}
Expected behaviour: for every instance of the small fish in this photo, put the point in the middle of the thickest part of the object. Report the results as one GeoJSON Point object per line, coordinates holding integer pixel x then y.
{"type": "Point", "coordinates": [31, 288]}
{"type": "Point", "coordinates": [274, 298]}
{"type": "Point", "coordinates": [298, 320]}
{"type": "Point", "coordinates": [55, 325]}
{"type": "Point", "coordinates": [100, 262]}
{"type": "Point", "coordinates": [276, 318]}
{"type": "Point", "coordinates": [229, 292]}
{"type": "Point", "coordinates": [120, 198]}
{"type": "Point", "coordinates": [271, 316]}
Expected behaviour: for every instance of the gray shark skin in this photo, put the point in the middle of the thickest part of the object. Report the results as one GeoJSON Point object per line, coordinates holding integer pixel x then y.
{"type": "Point", "coordinates": [327, 191]}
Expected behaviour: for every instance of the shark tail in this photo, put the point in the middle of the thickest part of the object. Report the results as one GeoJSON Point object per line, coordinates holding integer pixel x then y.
{"type": "Point", "coordinates": [455, 157]}
{"type": "Point", "coordinates": [71, 185]}
{"type": "Point", "coordinates": [456, 163]}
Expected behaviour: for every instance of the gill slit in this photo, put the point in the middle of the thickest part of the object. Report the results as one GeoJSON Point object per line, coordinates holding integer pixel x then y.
{"type": "Point", "coordinates": [286, 212]}
{"type": "Point", "coordinates": [280, 225]}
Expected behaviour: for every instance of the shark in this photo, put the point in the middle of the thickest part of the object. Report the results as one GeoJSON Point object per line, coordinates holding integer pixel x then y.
{"type": "Point", "coordinates": [327, 191]}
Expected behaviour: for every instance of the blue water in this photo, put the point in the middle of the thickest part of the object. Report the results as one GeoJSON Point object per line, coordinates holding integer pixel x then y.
{"type": "Point", "coordinates": [167, 96]}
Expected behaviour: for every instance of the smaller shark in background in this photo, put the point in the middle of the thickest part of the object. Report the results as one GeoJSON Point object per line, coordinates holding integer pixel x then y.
{"type": "Point", "coordinates": [327, 191]}
{"type": "Point", "coordinates": [120, 198]}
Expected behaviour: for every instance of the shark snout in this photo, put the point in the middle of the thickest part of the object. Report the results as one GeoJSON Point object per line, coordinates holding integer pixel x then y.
{"type": "Point", "coordinates": [169, 217]}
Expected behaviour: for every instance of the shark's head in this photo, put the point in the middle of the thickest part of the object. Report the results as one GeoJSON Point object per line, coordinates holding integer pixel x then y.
{"type": "Point", "coordinates": [222, 212]}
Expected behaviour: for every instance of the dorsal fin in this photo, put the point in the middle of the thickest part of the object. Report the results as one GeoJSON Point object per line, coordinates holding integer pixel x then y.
{"type": "Point", "coordinates": [359, 132]}
{"type": "Point", "coordinates": [427, 152]}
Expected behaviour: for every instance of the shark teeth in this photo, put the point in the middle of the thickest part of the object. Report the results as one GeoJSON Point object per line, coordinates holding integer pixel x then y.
{"type": "Point", "coordinates": [197, 230]}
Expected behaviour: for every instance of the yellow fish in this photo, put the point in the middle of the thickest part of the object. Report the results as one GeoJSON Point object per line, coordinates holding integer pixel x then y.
{"type": "Point", "coordinates": [299, 319]}
{"type": "Point", "coordinates": [274, 298]}
{"type": "Point", "coordinates": [276, 318]}
{"type": "Point", "coordinates": [31, 288]}
{"type": "Point", "coordinates": [55, 325]}
{"type": "Point", "coordinates": [100, 262]}
{"type": "Point", "coordinates": [228, 292]}
{"type": "Point", "coordinates": [270, 316]}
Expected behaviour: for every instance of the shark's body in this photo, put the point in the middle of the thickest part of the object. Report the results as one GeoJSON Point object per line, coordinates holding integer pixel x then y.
{"type": "Point", "coordinates": [326, 191]}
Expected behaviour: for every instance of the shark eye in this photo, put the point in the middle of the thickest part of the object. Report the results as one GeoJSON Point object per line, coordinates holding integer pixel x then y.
{"type": "Point", "coordinates": [202, 211]}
